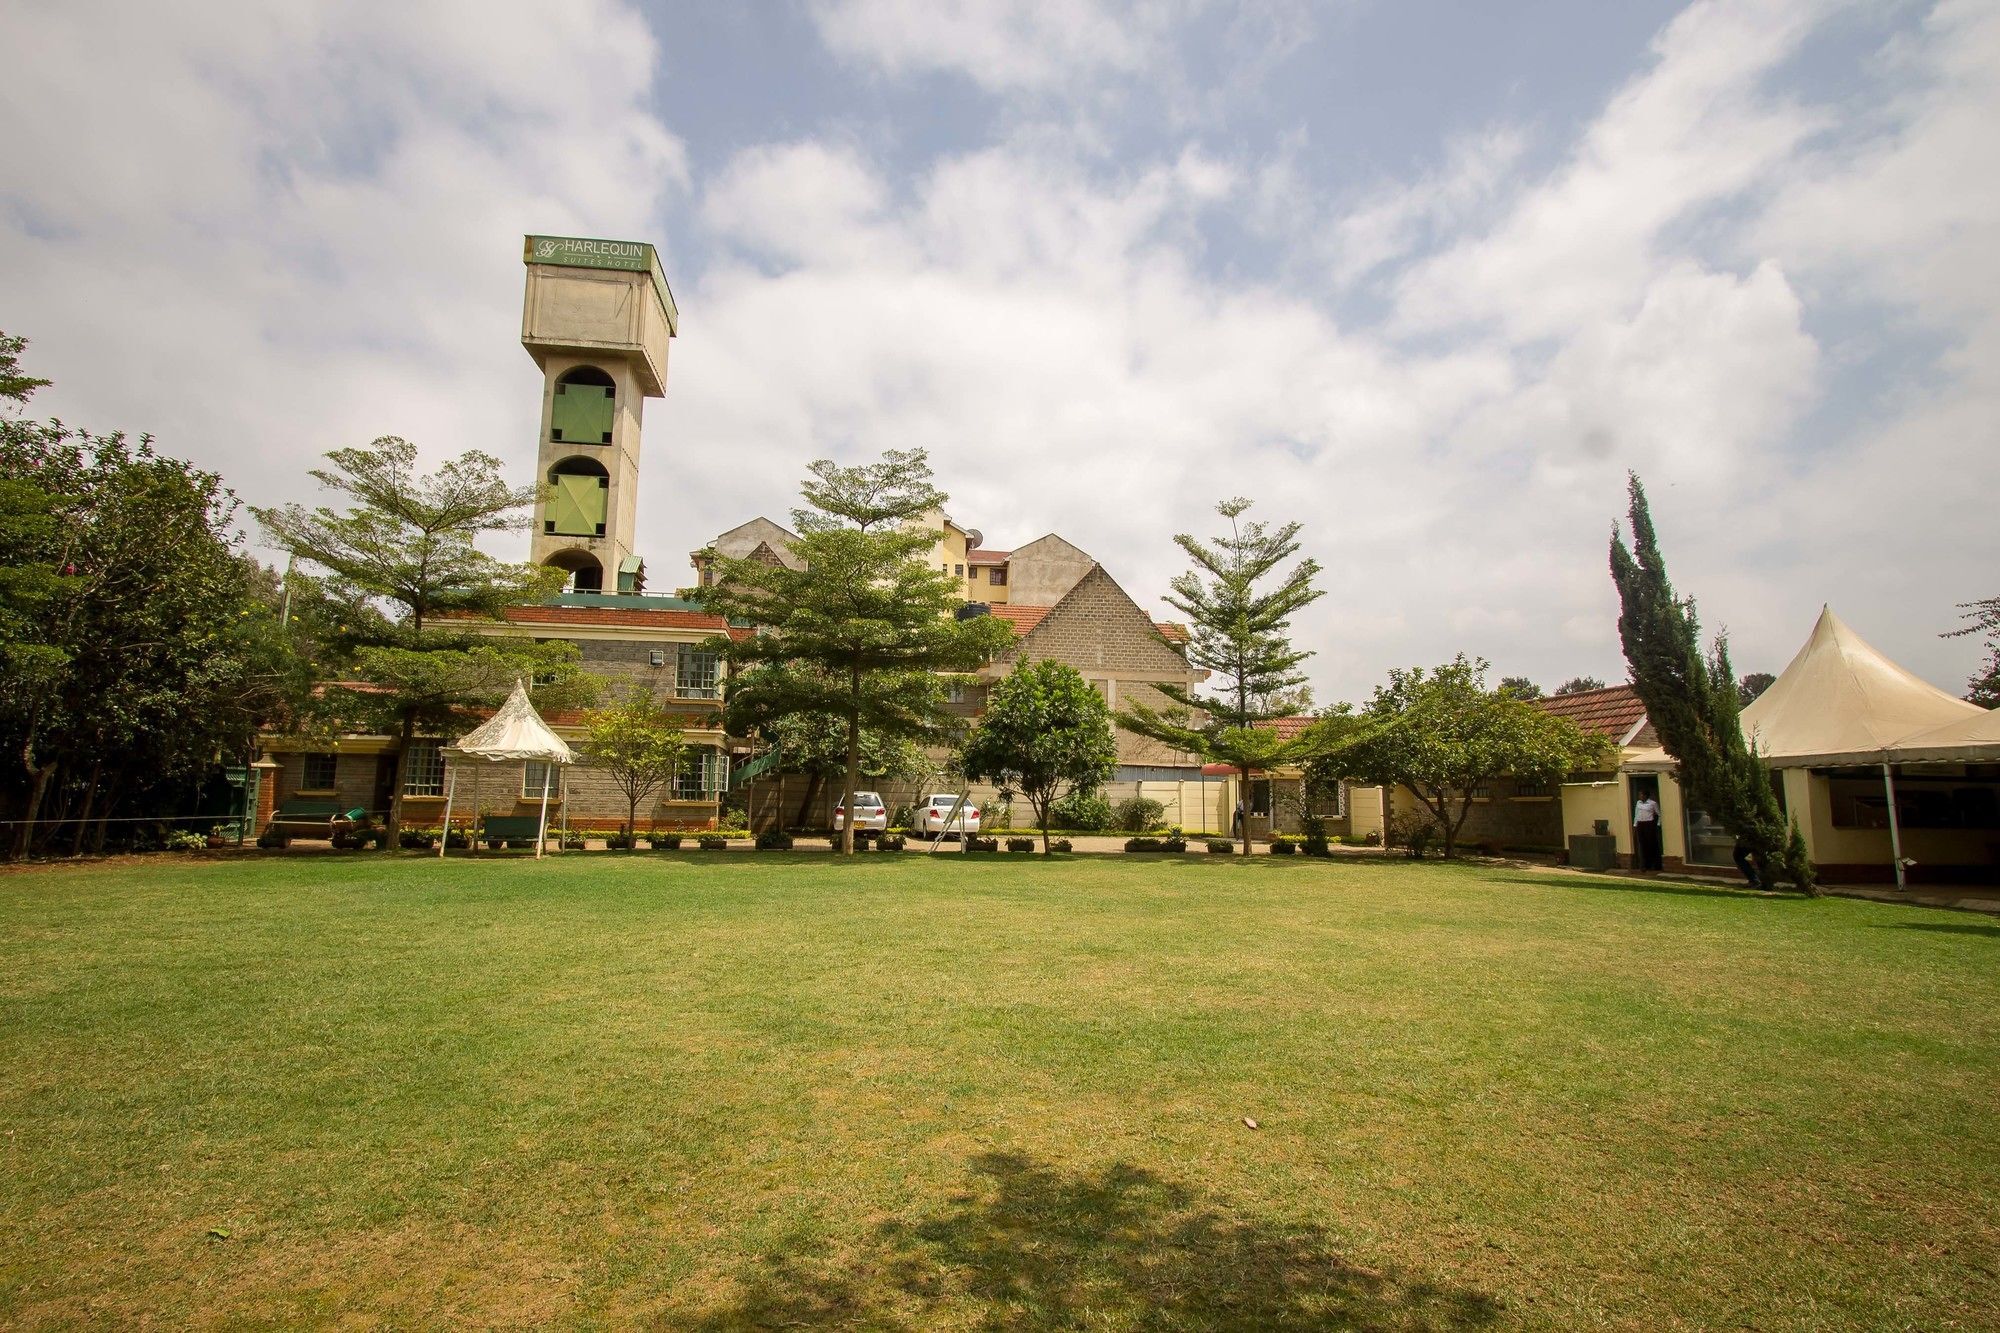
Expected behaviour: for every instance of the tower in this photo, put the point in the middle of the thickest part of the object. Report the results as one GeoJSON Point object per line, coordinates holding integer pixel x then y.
{"type": "Point", "coordinates": [597, 317]}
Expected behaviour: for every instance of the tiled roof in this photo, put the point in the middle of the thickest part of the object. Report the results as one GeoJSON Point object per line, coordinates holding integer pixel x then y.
{"type": "Point", "coordinates": [617, 615]}
{"type": "Point", "coordinates": [1022, 618]}
{"type": "Point", "coordinates": [1288, 727]}
{"type": "Point", "coordinates": [1612, 712]}
{"type": "Point", "coordinates": [987, 557]}
{"type": "Point", "coordinates": [1171, 630]}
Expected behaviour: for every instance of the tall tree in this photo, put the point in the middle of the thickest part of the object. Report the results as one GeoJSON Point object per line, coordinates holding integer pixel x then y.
{"type": "Point", "coordinates": [1519, 687]}
{"type": "Point", "coordinates": [1694, 702]}
{"type": "Point", "coordinates": [133, 645]}
{"type": "Point", "coordinates": [1753, 685]}
{"type": "Point", "coordinates": [1982, 617]}
{"type": "Point", "coordinates": [1046, 732]}
{"type": "Point", "coordinates": [1581, 685]}
{"type": "Point", "coordinates": [402, 563]}
{"type": "Point", "coordinates": [1240, 608]}
{"type": "Point", "coordinates": [1441, 735]}
{"type": "Point", "coordinates": [860, 630]}
{"type": "Point", "coordinates": [639, 745]}
{"type": "Point", "coordinates": [814, 745]}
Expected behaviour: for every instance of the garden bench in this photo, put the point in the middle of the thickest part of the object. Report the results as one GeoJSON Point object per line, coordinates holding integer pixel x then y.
{"type": "Point", "coordinates": [514, 830]}
{"type": "Point", "coordinates": [318, 815]}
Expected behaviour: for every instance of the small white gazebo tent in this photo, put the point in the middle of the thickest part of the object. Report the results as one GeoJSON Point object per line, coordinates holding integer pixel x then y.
{"type": "Point", "coordinates": [515, 732]}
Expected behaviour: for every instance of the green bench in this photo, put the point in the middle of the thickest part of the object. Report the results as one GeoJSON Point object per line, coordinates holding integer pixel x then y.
{"type": "Point", "coordinates": [512, 830]}
{"type": "Point", "coordinates": [315, 817]}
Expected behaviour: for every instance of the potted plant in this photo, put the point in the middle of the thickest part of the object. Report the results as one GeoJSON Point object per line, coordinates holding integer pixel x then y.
{"type": "Point", "coordinates": [217, 839]}
{"type": "Point", "coordinates": [714, 842]}
{"type": "Point", "coordinates": [572, 842]}
{"type": "Point", "coordinates": [664, 842]}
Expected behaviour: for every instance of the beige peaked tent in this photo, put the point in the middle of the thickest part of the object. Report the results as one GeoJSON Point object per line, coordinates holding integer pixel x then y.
{"type": "Point", "coordinates": [1842, 704]}
{"type": "Point", "coordinates": [515, 732]}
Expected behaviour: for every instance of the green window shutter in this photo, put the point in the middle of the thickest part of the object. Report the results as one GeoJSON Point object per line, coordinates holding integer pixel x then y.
{"type": "Point", "coordinates": [582, 414]}
{"type": "Point", "coordinates": [578, 507]}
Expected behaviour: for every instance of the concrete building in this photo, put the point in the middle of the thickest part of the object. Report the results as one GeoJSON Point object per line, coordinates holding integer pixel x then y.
{"type": "Point", "coordinates": [597, 317]}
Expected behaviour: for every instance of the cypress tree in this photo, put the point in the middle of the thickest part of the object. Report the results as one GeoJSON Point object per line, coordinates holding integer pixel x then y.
{"type": "Point", "coordinates": [1694, 702]}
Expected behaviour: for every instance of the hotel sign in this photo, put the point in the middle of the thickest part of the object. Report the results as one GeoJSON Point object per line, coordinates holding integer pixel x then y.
{"type": "Point", "coordinates": [630, 256]}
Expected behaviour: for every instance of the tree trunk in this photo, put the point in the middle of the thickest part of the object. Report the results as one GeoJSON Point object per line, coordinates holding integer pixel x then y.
{"type": "Point", "coordinates": [852, 776]}
{"type": "Point", "coordinates": [24, 833]}
{"type": "Point", "coordinates": [83, 814]}
{"type": "Point", "coordinates": [1041, 808]}
{"type": "Point", "coordinates": [393, 831]}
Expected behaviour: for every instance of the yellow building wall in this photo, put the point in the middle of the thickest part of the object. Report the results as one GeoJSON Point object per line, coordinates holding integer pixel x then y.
{"type": "Point", "coordinates": [1809, 797]}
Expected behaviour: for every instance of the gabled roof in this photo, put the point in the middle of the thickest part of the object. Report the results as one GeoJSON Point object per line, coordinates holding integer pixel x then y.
{"type": "Point", "coordinates": [621, 615]}
{"type": "Point", "coordinates": [1020, 618]}
{"type": "Point", "coordinates": [987, 557]}
{"type": "Point", "coordinates": [745, 538]}
{"type": "Point", "coordinates": [1615, 711]}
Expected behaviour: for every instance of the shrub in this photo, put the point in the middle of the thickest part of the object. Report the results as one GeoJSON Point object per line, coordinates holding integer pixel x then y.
{"type": "Point", "coordinates": [1173, 842]}
{"type": "Point", "coordinates": [1060, 846]}
{"type": "Point", "coordinates": [621, 842]}
{"type": "Point", "coordinates": [889, 842]}
{"type": "Point", "coordinates": [572, 842]}
{"type": "Point", "coordinates": [714, 842]}
{"type": "Point", "coordinates": [423, 840]}
{"type": "Point", "coordinates": [1283, 846]}
{"type": "Point", "coordinates": [1315, 844]}
{"type": "Point", "coordinates": [1087, 812]}
{"type": "Point", "coordinates": [1020, 844]}
{"type": "Point", "coordinates": [1414, 831]}
{"type": "Point", "coordinates": [979, 844]}
{"type": "Point", "coordinates": [665, 842]}
{"type": "Point", "coordinates": [185, 840]}
{"type": "Point", "coordinates": [773, 840]}
{"type": "Point", "coordinates": [1370, 839]}
{"type": "Point", "coordinates": [903, 817]}
{"type": "Point", "coordinates": [1221, 847]}
{"type": "Point", "coordinates": [1139, 814]}
{"type": "Point", "coordinates": [1143, 845]}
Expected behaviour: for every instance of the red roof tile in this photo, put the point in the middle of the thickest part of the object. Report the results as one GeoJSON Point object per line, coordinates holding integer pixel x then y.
{"type": "Point", "coordinates": [1172, 630]}
{"type": "Point", "coordinates": [1022, 618]}
{"type": "Point", "coordinates": [1612, 712]}
{"type": "Point", "coordinates": [987, 557]}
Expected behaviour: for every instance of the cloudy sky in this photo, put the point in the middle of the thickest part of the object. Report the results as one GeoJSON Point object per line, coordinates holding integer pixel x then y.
{"type": "Point", "coordinates": [1426, 277]}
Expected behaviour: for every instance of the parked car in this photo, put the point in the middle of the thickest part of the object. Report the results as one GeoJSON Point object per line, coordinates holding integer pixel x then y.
{"type": "Point", "coordinates": [870, 815]}
{"type": "Point", "coordinates": [935, 818]}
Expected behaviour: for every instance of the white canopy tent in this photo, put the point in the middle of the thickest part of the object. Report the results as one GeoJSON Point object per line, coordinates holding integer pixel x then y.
{"type": "Point", "coordinates": [1842, 704]}
{"type": "Point", "coordinates": [515, 732]}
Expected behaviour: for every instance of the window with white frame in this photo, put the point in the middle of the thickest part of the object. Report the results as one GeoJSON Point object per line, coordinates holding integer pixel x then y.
{"type": "Point", "coordinates": [319, 772]}
{"type": "Point", "coordinates": [696, 673]}
{"type": "Point", "coordinates": [423, 772]}
{"type": "Point", "coordinates": [702, 775]}
{"type": "Point", "coordinates": [534, 773]}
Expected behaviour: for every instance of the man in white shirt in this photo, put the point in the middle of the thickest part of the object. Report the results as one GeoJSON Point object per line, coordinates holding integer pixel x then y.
{"type": "Point", "coordinates": [1646, 832]}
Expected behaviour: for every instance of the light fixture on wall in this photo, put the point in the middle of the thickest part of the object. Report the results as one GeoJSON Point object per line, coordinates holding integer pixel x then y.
{"type": "Point", "coordinates": [659, 656]}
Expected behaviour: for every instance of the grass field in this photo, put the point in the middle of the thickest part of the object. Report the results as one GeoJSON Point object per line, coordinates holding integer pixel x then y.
{"type": "Point", "coordinates": [749, 1091]}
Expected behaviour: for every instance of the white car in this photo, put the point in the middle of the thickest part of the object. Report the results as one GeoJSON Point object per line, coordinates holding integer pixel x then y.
{"type": "Point", "coordinates": [935, 818]}
{"type": "Point", "coordinates": [870, 815]}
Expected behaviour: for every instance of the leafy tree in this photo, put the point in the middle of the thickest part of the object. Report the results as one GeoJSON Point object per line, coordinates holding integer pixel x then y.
{"type": "Point", "coordinates": [133, 645]}
{"type": "Point", "coordinates": [1519, 687]}
{"type": "Point", "coordinates": [1694, 703]}
{"type": "Point", "coordinates": [639, 745]}
{"type": "Point", "coordinates": [1753, 685]}
{"type": "Point", "coordinates": [1239, 634]}
{"type": "Point", "coordinates": [1581, 685]}
{"type": "Point", "coordinates": [1441, 734]}
{"type": "Point", "coordinates": [861, 629]}
{"type": "Point", "coordinates": [815, 746]}
{"type": "Point", "coordinates": [405, 583]}
{"type": "Point", "coordinates": [1984, 618]}
{"type": "Point", "coordinates": [1046, 732]}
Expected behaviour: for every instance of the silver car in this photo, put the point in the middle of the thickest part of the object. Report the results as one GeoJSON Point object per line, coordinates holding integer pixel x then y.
{"type": "Point", "coordinates": [935, 818]}
{"type": "Point", "coordinates": [870, 815]}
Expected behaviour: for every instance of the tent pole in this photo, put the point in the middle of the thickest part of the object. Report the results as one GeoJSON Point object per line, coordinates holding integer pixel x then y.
{"type": "Point", "coordinates": [444, 838]}
{"type": "Point", "coordinates": [1895, 825]}
{"type": "Point", "coordinates": [542, 830]}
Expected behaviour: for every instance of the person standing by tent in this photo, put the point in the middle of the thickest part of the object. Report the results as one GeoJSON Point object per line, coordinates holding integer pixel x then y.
{"type": "Point", "coordinates": [1646, 831]}
{"type": "Point", "coordinates": [1746, 861]}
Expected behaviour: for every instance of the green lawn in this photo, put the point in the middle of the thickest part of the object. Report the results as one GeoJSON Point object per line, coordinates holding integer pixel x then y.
{"type": "Point", "coordinates": [741, 1091]}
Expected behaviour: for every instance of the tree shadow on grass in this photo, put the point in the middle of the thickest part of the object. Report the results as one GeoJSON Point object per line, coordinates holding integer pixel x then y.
{"type": "Point", "coordinates": [1991, 930]}
{"type": "Point", "coordinates": [1028, 1247]}
{"type": "Point", "coordinates": [1619, 884]}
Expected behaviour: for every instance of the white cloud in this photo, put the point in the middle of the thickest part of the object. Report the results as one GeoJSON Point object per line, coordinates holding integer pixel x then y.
{"type": "Point", "coordinates": [1002, 45]}
{"type": "Point", "coordinates": [267, 231]}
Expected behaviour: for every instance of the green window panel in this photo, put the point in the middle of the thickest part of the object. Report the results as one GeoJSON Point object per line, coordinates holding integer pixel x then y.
{"type": "Point", "coordinates": [582, 414]}
{"type": "Point", "coordinates": [577, 509]}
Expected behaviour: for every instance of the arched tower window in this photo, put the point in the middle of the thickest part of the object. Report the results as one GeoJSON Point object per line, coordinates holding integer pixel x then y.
{"type": "Point", "coordinates": [585, 573]}
{"type": "Point", "coordinates": [585, 401]}
{"type": "Point", "coordinates": [578, 502]}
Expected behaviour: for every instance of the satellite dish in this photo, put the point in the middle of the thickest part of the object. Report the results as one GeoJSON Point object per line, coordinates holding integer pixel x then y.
{"type": "Point", "coordinates": [974, 537]}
